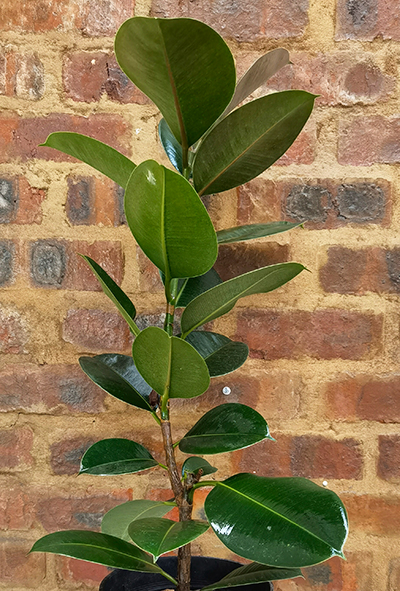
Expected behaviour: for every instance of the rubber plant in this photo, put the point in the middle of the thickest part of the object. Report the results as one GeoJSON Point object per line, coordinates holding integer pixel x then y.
{"type": "Point", "coordinates": [215, 142]}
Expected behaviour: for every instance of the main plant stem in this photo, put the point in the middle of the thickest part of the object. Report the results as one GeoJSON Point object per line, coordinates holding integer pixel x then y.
{"type": "Point", "coordinates": [180, 491]}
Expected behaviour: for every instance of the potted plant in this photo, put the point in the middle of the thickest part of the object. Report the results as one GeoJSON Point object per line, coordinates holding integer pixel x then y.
{"type": "Point", "coordinates": [281, 524]}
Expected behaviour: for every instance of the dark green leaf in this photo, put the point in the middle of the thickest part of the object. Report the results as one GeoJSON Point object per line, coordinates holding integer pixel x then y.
{"type": "Point", "coordinates": [252, 231]}
{"type": "Point", "coordinates": [171, 146]}
{"type": "Point", "coordinates": [183, 65]}
{"type": "Point", "coordinates": [225, 428]}
{"type": "Point", "coordinates": [98, 155]}
{"type": "Point", "coordinates": [170, 364]}
{"type": "Point", "coordinates": [197, 285]}
{"type": "Point", "coordinates": [249, 140]}
{"type": "Point", "coordinates": [98, 548]}
{"type": "Point", "coordinates": [116, 521]}
{"type": "Point", "coordinates": [220, 353]}
{"type": "Point", "coordinates": [263, 69]}
{"type": "Point", "coordinates": [117, 375]}
{"type": "Point", "coordinates": [286, 522]}
{"type": "Point", "coordinates": [116, 456]}
{"type": "Point", "coordinates": [221, 299]}
{"type": "Point", "coordinates": [194, 464]}
{"type": "Point", "coordinates": [158, 536]}
{"type": "Point", "coordinates": [115, 293]}
{"type": "Point", "coordinates": [169, 221]}
{"type": "Point", "coordinates": [254, 573]}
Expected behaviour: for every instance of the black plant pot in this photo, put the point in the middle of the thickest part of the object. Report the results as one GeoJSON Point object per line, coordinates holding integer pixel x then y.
{"type": "Point", "coordinates": [204, 571]}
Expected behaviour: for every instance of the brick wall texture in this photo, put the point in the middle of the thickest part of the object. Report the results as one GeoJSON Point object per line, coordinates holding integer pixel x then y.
{"type": "Point", "coordinates": [325, 350]}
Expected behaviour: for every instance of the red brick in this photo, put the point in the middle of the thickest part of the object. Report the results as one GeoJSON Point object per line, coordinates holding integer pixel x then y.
{"type": "Point", "coordinates": [96, 331]}
{"type": "Point", "coordinates": [93, 200]}
{"type": "Point", "coordinates": [303, 150]}
{"type": "Point", "coordinates": [149, 277]}
{"type": "Point", "coordinates": [17, 568]}
{"type": "Point", "coordinates": [73, 573]}
{"type": "Point", "coordinates": [258, 202]}
{"type": "Point", "coordinates": [20, 138]}
{"type": "Point", "coordinates": [66, 455]}
{"type": "Point", "coordinates": [90, 17]}
{"type": "Point", "coordinates": [236, 259]}
{"type": "Point", "coordinates": [78, 511]}
{"type": "Point", "coordinates": [13, 332]}
{"type": "Point", "coordinates": [389, 458]}
{"type": "Point", "coordinates": [368, 19]}
{"type": "Point", "coordinates": [17, 508]}
{"type": "Point", "coordinates": [373, 515]}
{"type": "Point", "coordinates": [322, 334]}
{"type": "Point", "coordinates": [21, 75]}
{"type": "Point", "coordinates": [88, 76]}
{"type": "Point", "coordinates": [268, 458]}
{"type": "Point", "coordinates": [243, 21]}
{"type": "Point", "coordinates": [15, 449]}
{"type": "Point", "coordinates": [394, 574]}
{"type": "Point", "coordinates": [55, 389]}
{"type": "Point", "coordinates": [364, 397]}
{"type": "Point", "coordinates": [19, 202]}
{"type": "Point", "coordinates": [368, 140]}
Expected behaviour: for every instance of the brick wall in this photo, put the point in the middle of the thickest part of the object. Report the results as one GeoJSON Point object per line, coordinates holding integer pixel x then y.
{"type": "Point", "coordinates": [324, 365]}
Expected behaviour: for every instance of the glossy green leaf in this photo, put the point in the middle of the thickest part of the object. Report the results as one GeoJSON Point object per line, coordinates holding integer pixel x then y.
{"type": "Point", "coordinates": [98, 548]}
{"type": "Point", "coordinates": [286, 522]}
{"type": "Point", "coordinates": [116, 456]}
{"type": "Point", "coordinates": [220, 353]}
{"type": "Point", "coordinates": [116, 521]}
{"type": "Point", "coordinates": [221, 299]}
{"type": "Point", "coordinates": [198, 285]}
{"type": "Point", "coordinates": [263, 69]}
{"type": "Point", "coordinates": [194, 464]}
{"type": "Point", "coordinates": [183, 66]}
{"type": "Point", "coordinates": [170, 364]}
{"type": "Point", "coordinates": [115, 293]}
{"type": "Point", "coordinates": [171, 146]}
{"type": "Point", "coordinates": [98, 155]}
{"type": "Point", "coordinates": [254, 573]}
{"type": "Point", "coordinates": [225, 428]}
{"type": "Point", "coordinates": [249, 140]}
{"type": "Point", "coordinates": [117, 375]}
{"type": "Point", "coordinates": [253, 231]}
{"type": "Point", "coordinates": [158, 536]}
{"type": "Point", "coordinates": [169, 221]}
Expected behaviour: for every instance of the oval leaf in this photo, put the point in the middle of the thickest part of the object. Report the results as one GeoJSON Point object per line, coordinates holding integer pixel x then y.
{"type": "Point", "coordinates": [220, 353]}
{"type": "Point", "coordinates": [250, 140]}
{"type": "Point", "coordinates": [253, 231]}
{"type": "Point", "coordinates": [169, 221]}
{"type": "Point", "coordinates": [117, 375]}
{"type": "Point", "coordinates": [116, 456]}
{"type": "Point", "coordinates": [183, 66]}
{"type": "Point", "coordinates": [116, 521]}
{"type": "Point", "coordinates": [98, 155]}
{"type": "Point", "coordinates": [254, 573]}
{"type": "Point", "coordinates": [98, 548]}
{"type": "Point", "coordinates": [225, 428]}
{"type": "Point", "coordinates": [170, 364]}
{"type": "Point", "coordinates": [159, 536]}
{"type": "Point", "coordinates": [171, 146]}
{"type": "Point", "coordinates": [221, 299]}
{"type": "Point", "coordinates": [115, 293]}
{"type": "Point", "coordinates": [286, 522]}
{"type": "Point", "coordinates": [198, 285]}
{"type": "Point", "coordinates": [194, 464]}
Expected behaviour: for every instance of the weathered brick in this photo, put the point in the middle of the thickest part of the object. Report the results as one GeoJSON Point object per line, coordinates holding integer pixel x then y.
{"type": "Point", "coordinates": [17, 507]}
{"type": "Point", "coordinates": [72, 573]}
{"type": "Point", "coordinates": [243, 21]}
{"type": "Point", "coordinates": [90, 17]}
{"type": "Point", "coordinates": [322, 334]}
{"type": "Point", "coordinates": [376, 515]}
{"type": "Point", "coordinates": [94, 201]}
{"type": "Point", "coordinates": [48, 263]}
{"type": "Point", "coordinates": [96, 331]}
{"type": "Point", "coordinates": [235, 259]}
{"type": "Point", "coordinates": [15, 449]}
{"type": "Point", "coordinates": [149, 277]}
{"type": "Point", "coordinates": [88, 76]}
{"type": "Point", "coordinates": [18, 568]}
{"type": "Point", "coordinates": [66, 455]}
{"type": "Point", "coordinates": [20, 138]}
{"type": "Point", "coordinates": [389, 457]}
{"type": "Point", "coordinates": [367, 19]}
{"type": "Point", "coordinates": [258, 202]}
{"type": "Point", "coordinates": [22, 75]}
{"type": "Point", "coordinates": [7, 252]}
{"type": "Point", "coordinates": [303, 150]}
{"type": "Point", "coordinates": [367, 140]}
{"type": "Point", "coordinates": [394, 574]}
{"type": "Point", "coordinates": [19, 202]}
{"type": "Point", "coordinates": [13, 332]}
{"type": "Point", "coordinates": [78, 511]}
{"type": "Point", "coordinates": [55, 389]}
{"type": "Point", "coordinates": [364, 397]}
